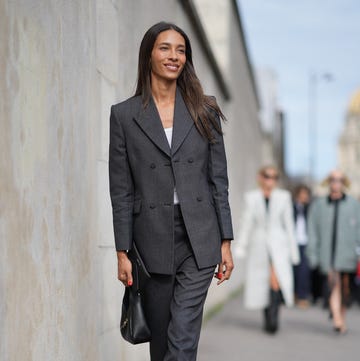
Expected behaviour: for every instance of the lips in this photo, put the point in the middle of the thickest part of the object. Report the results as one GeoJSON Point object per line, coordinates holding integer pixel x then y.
{"type": "Point", "coordinates": [172, 67]}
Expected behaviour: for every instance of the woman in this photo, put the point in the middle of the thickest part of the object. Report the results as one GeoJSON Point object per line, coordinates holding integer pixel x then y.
{"type": "Point", "coordinates": [169, 190]}
{"type": "Point", "coordinates": [334, 233]}
{"type": "Point", "coordinates": [302, 196]}
{"type": "Point", "coordinates": [267, 240]}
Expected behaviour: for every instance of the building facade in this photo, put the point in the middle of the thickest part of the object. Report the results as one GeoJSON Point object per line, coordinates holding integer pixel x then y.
{"type": "Point", "coordinates": [63, 64]}
{"type": "Point", "coordinates": [349, 145]}
{"type": "Point", "coordinates": [271, 117]}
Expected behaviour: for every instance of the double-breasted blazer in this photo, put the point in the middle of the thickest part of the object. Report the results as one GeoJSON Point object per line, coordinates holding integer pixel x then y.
{"type": "Point", "coordinates": [267, 237]}
{"type": "Point", "coordinates": [143, 172]}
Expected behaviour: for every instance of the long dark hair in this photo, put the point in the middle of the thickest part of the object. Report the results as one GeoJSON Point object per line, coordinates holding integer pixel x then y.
{"type": "Point", "coordinates": [203, 109]}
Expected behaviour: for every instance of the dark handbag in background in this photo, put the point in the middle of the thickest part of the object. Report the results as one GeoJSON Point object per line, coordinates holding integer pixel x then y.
{"type": "Point", "coordinates": [358, 273]}
{"type": "Point", "coordinates": [133, 325]}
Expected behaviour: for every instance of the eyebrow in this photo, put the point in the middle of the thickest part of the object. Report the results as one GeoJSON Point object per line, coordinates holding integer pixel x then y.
{"type": "Point", "coordinates": [178, 45]}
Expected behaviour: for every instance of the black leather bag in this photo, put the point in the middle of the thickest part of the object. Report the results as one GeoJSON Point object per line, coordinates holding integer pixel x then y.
{"type": "Point", "coordinates": [133, 325]}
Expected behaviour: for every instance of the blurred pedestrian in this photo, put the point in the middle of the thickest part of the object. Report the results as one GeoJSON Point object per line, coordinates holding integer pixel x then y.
{"type": "Point", "coordinates": [267, 240]}
{"type": "Point", "coordinates": [169, 191]}
{"type": "Point", "coordinates": [301, 271]}
{"type": "Point", "coordinates": [334, 232]}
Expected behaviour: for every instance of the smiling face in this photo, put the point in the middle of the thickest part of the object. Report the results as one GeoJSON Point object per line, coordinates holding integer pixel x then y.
{"type": "Point", "coordinates": [168, 56]}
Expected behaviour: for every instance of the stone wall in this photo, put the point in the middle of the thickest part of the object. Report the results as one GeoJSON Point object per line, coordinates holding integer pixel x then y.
{"type": "Point", "coordinates": [63, 63]}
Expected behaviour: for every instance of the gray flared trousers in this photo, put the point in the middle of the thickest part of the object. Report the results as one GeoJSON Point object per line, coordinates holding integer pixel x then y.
{"type": "Point", "coordinates": [174, 303]}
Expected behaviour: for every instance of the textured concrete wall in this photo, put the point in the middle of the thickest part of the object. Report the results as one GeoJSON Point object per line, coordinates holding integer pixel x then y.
{"type": "Point", "coordinates": [63, 63]}
{"type": "Point", "coordinates": [49, 120]}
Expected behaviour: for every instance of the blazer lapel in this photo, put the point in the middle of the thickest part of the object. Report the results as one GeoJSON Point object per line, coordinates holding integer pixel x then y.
{"type": "Point", "coordinates": [150, 122]}
{"type": "Point", "coordinates": [182, 122]}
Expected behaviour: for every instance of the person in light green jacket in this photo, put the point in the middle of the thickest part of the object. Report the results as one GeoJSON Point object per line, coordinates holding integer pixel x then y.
{"type": "Point", "coordinates": [334, 235]}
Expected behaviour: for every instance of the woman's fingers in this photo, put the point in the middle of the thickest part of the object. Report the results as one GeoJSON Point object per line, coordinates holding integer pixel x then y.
{"type": "Point", "coordinates": [229, 269]}
{"type": "Point", "coordinates": [129, 280]}
{"type": "Point", "coordinates": [124, 269]}
{"type": "Point", "coordinates": [227, 264]}
{"type": "Point", "coordinates": [125, 278]}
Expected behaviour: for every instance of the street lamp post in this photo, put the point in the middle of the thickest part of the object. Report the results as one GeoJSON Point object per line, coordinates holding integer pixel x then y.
{"type": "Point", "coordinates": [312, 116]}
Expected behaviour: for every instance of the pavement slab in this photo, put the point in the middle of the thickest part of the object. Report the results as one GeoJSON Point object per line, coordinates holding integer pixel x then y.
{"type": "Point", "coordinates": [235, 334]}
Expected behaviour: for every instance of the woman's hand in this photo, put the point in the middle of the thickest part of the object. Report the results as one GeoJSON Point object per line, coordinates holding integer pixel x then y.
{"type": "Point", "coordinates": [124, 269]}
{"type": "Point", "coordinates": [227, 265]}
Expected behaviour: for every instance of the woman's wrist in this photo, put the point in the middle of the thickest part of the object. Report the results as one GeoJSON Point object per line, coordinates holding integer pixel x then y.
{"type": "Point", "coordinates": [121, 255]}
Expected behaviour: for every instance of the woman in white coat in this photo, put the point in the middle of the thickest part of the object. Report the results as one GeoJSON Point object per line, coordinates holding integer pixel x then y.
{"type": "Point", "coordinates": [268, 242]}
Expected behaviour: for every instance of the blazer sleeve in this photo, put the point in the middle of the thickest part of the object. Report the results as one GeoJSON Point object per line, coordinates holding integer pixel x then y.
{"type": "Point", "coordinates": [246, 226]}
{"type": "Point", "coordinates": [219, 184]}
{"type": "Point", "coordinates": [290, 229]}
{"type": "Point", "coordinates": [121, 185]}
{"type": "Point", "coordinates": [312, 249]}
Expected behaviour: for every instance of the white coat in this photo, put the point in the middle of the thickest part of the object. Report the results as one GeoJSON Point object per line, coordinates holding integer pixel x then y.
{"type": "Point", "coordinates": [264, 237]}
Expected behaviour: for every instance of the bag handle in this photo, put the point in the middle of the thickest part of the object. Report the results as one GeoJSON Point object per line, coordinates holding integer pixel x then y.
{"type": "Point", "coordinates": [135, 274]}
{"type": "Point", "coordinates": [135, 270]}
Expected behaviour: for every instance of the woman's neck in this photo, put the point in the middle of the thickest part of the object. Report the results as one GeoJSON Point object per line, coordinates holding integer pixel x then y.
{"type": "Point", "coordinates": [266, 192]}
{"type": "Point", "coordinates": [163, 92]}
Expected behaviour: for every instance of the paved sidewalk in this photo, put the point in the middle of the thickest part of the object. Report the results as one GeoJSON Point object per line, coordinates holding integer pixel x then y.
{"type": "Point", "coordinates": [235, 334]}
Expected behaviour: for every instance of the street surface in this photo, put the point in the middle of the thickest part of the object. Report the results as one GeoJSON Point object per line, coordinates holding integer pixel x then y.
{"type": "Point", "coordinates": [235, 334]}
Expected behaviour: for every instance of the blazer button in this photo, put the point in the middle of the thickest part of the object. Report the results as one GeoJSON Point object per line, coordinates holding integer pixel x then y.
{"type": "Point", "coordinates": [190, 160]}
{"type": "Point", "coordinates": [199, 199]}
{"type": "Point", "coordinates": [152, 166]}
{"type": "Point", "coordinates": [152, 205]}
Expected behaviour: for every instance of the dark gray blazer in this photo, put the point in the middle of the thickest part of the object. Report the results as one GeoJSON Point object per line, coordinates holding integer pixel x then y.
{"type": "Point", "coordinates": [143, 172]}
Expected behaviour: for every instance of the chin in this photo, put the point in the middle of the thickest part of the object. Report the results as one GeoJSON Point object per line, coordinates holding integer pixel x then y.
{"type": "Point", "coordinates": [165, 76]}
{"type": "Point", "coordinates": [171, 77]}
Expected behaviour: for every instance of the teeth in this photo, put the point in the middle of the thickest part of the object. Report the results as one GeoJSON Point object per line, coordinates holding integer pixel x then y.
{"type": "Point", "coordinates": [172, 67]}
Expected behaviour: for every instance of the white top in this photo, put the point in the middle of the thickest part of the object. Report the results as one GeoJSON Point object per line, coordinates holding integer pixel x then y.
{"type": "Point", "coordinates": [300, 229]}
{"type": "Point", "coordinates": [168, 133]}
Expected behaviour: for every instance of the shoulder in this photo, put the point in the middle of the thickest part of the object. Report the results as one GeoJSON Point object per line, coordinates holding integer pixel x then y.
{"type": "Point", "coordinates": [252, 193]}
{"type": "Point", "coordinates": [249, 196]}
{"type": "Point", "coordinates": [211, 97]}
{"type": "Point", "coordinates": [128, 107]}
{"type": "Point", "coordinates": [352, 201]}
{"type": "Point", "coordinates": [210, 103]}
{"type": "Point", "coordinates": [318, 202]}
{"type": "Point", "coordinates": [282, 193]}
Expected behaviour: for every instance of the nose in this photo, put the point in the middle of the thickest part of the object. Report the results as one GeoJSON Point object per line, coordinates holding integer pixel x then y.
{"type": "Point", "coordinates": [173, 54]}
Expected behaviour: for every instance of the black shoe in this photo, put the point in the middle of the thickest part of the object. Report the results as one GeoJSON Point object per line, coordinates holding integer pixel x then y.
{"type": "Point", "coordinates": [268, 323]}
{"type": "Point", "coordinates": [271, 313]}
{"type": "Point", "coordinates": [340, 330]}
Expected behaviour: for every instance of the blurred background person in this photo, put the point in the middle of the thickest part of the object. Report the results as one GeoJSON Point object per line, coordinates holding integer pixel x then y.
{"type": "Point", "coordinates": [267, 240]}
{"type": "Point", "coordinates": [302, 274]}
{"type": "Point", "coordinates": [334, 231]}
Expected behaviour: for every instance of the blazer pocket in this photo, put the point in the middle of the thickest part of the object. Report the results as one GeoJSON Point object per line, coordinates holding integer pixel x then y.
{"type": "Point", "coordinates": [137, 206]}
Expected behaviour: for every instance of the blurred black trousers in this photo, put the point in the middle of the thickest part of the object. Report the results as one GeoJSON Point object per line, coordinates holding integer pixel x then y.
{"type": "Point", "coordinates": [302, 276]}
